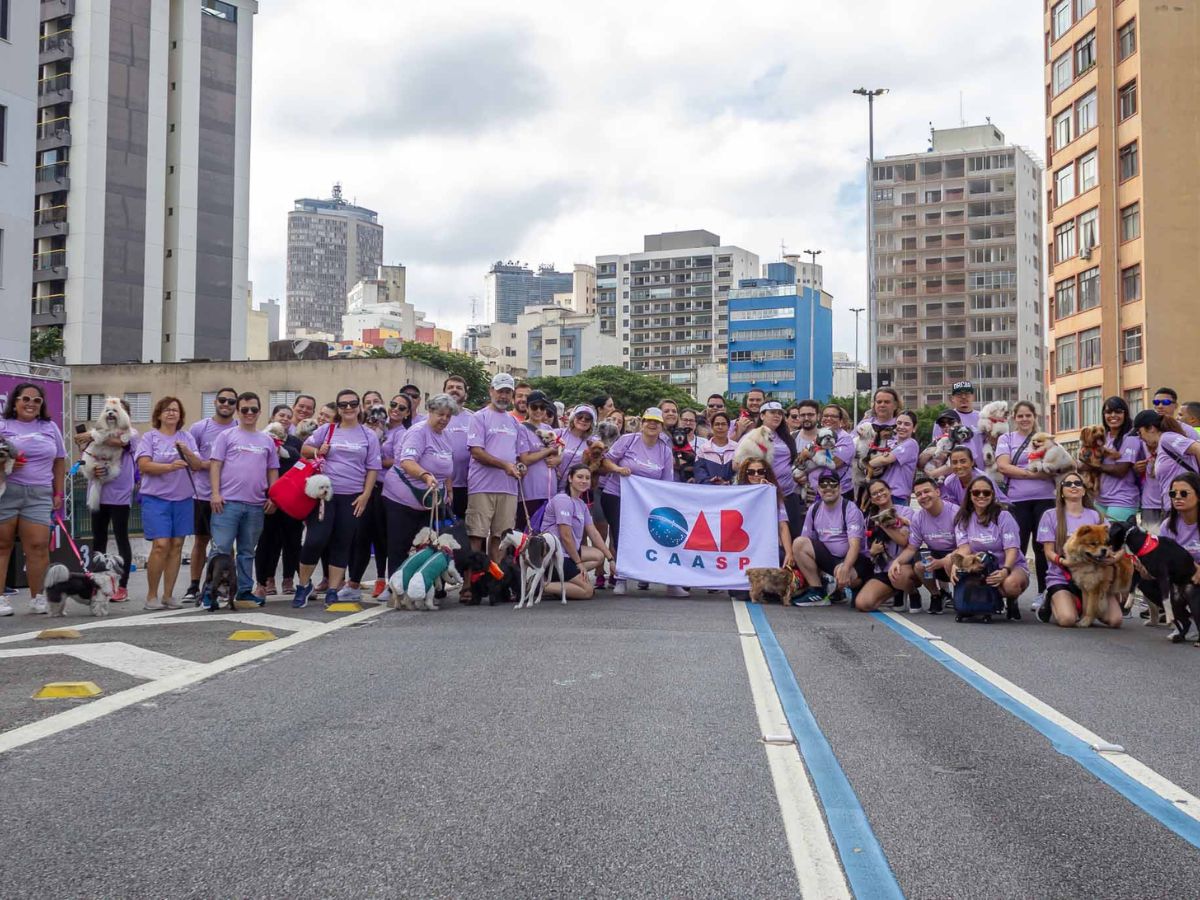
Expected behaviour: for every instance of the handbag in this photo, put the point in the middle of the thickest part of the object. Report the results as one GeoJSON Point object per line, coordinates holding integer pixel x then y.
{"type": "Point", "coordinates": [288, 492]}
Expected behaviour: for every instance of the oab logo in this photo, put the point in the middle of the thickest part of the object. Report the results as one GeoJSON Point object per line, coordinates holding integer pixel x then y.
{"type": "Point", "coordinates": [669, 528]}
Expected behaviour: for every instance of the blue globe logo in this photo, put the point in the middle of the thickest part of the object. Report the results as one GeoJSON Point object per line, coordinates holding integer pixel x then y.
{"type": "Point", "coordinates": [667, 526]}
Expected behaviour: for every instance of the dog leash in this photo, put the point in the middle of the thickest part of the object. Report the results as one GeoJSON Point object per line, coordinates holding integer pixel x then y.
{"type": "Point", "coordinates": [524, 506]}
{"type": "Point", "coordinates": [70, 540]}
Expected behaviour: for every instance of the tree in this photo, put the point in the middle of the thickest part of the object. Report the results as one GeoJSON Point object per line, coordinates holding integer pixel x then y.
{"type": "Point", "coordinates": [631, 391]}
{"type": "Point", "coordinates": [45, 343]}
{"type": "Point", "coordinates": [449, 361]}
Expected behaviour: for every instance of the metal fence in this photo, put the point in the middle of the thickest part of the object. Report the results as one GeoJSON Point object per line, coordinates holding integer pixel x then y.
{"type": "Point", "coordinates": [81, 528]}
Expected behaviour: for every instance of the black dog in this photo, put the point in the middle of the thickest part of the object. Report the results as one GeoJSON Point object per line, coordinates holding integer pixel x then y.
{"type": "Point", "coordinates": [219, 575]}
{"type": "Point", "coordinates": [471, 565]}
{"type": "Point", "coordinates": [501, 582]}
{"type": "Point", "coordinates": [1170, 568]}
{"type": "Point", "coordinates": [685, 456]}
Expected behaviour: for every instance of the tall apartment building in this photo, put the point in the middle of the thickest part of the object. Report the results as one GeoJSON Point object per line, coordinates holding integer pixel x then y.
{"type": "Point", "coordinates": [18, 123]}
{"type": "Point", "coordinates": [957, 242]}
{"type": "Point", "coordinates": [1123, 232]}
{"type": "Point", "coordinates": [142, 178]}
{"type": "Point", "coordinates": [332, 244]}
{"type": "Point", "coordinates": [510, 287]}
{"type": "Point", "coordinates": [668, 304]}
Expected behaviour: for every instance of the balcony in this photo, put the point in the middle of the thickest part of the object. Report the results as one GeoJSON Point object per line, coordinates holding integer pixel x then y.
{"type": "Point", "coordinates": [50, 221]}
{"type": "Point", "coordinates": [52, 177]}
{"type": "Point", "coordinates": [49, 310]}
{"type": "Point", "coordinates": [53, 9]}
{"type": "Point", "coordinates": [57, 46]}
{"type": "Point", "coordinates": [50, 265]}
{"type": "Point", "coordinates": [54, 89]}
{"type": "Point", "coordinates": [54, 133]}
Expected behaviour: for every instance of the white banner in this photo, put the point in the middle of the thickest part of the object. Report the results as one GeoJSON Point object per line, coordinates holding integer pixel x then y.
{"type": "Point", "coordinates": [695, 535]}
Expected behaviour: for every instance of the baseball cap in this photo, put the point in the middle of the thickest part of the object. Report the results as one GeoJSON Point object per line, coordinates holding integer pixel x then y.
{"type": "Point", "coordinates": [947, 415]}
{"type": "Point", "coordinates": [653, 414]}
{"type": "Point", "coordinates": [962, 387]}
{"type": "Point", "coordinates": [770, 405]}
{"type": "Point", "coordinates": [584, 410]}
{"type": "Point", "coordinates": [828, 477]}
{"type": "Point", "coordinates": [1147, 418]}
{"type": "Point", "coordinates": [537, 397]}
{"type": "Point", "coordinates": [503, 380]}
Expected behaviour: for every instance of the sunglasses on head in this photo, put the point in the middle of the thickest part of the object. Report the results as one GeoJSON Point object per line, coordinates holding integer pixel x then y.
{"type": "Point", "coordinates": [247, 410]}
{"type": "Point", "coordinates": [981, 493]}
{"type": "Point", "coordinates": [347, 404]}
{"type": "Point", "coordinates": [1072, 484]}
{"type": "Point", "coordinates": [1174, 494]}
{"type": "Point", "coordinates": [227, 401]}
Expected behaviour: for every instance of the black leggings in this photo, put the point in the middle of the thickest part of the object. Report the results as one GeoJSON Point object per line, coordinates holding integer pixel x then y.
{"type": "Point", "coordinates": [460, 502]}
{"type": "Point", "coordinates": [372, 533]}
{"type": "Point", "coordinates": [403, 523]}
{"type": "Point", "coordinates": [281, 535]}
{"type": "Point", "coordinates": [335, 533]}
{"type": "Point", "coordinates": [119, 517]}
{"type": "Point", "coordinates": [611, 504]}
{"type": "Point", "coordinates": [793, 505]}
{"type": "Point", "coordinates": [1028, 514]}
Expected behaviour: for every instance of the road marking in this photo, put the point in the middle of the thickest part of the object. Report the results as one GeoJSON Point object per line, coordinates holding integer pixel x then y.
{"type": "Point", "coordinates": [153, 618]}
{"type": "Point", "coordinates": [35, 731]}
{"type": "Point", "coordinates": [262, 620]}
{"type": "Point", "coordinates": [116, 655]}
{"type": "Point", "coordinates": [1166, 801]}
{"type": "Point", "coordinates": [816, 862]}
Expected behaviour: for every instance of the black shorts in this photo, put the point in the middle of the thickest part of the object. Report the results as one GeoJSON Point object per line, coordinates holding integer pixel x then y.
{"type": "Point", "coordinates": [1071, 588]}
{"type": "Point", "coordinates": [827, 562]}
{"type": "Point", "coordinates": [202, 518]}
{"type": "Point", "coordinates": [880, 576]}
{"type": "Point", "coordinates": [570, 570]}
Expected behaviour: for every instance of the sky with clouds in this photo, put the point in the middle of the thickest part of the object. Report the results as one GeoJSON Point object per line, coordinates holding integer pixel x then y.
{"type": "Point", "coordinates": [550, 132]}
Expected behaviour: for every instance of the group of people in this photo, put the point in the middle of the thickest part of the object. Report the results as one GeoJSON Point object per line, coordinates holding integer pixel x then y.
{"type": "Point", "coordinates": [524, 461]}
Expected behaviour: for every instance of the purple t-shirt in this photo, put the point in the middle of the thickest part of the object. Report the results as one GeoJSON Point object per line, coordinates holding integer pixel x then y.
{"type": "Point", "coordinates": [496, 433]}
{"type": "Point", "coordinates": [563, 509]}
{"type": "Point", "coordinates": [1151, 493]}
{"type": "Point", "coordinates": [1022, 488]}
{"type": "Point", "coordinates": [456, 431]}
{"type": "Point", "coordinates": [119, 491]}
{"type": "Point", "coordinates": [954, 492]}
{"type": "Point", "coordinates": [1124, 492]}
{"type": "Point", "coordinates": [539, 481]}
{"type": "Point", "coordinates": [1185, 535]}
{"type": "Point", "coordinates": [781, 462]}
{"type": "Point", "coordinates": [246, 457]}
{"type": "Point", "coordinates": [431, 451]}
{"type": "Point", "coordinates": [934, 532]}
{"type": "Point", "coordinates": [159, 448]}
{"type": "Point", "coordinates": [41, 443]}
{"type": "Point", "coordinates": [971, 420]}
{"type": "Point", "coordinates": [843, 450]}
{"type": "Point", "coordinates": [1001, 535]}
{"type": "Point", "coordinates": [573, 450]}
{"type": "Point", "coordinates": [891, 548]}
{"type": "Point", "coordinates": [352, 452]}
{"type": "Point", "coordinates": [825, 524]}
{"type": "Point", "coordinates": [205, 434]}
{"type": "Point", "coordinates": [1166, 466]}
{"type": "Point", "coordinates": [645, 462]}
{"type": "Point", "coordinates": [390, 442]}
{"type": "Point", "coordinates": [899, 475]}
{"type": "Point", "coordinates": [1047, 531]}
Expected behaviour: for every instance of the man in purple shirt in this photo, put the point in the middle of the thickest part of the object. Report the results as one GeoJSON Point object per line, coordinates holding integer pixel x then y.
{"type": "Point", "coordinates": [413, 393]}
{"type": "Point", "coordinates": [1166, 403]}
{"type": "Point", "coordinates": [494, 470]}
{"type": "Point", "coordinates": [931, 530]}
{"type": "Point", "coordinates": [205, 434]}
{"type": "Point", "coordinates": [962, 401]}
{"type": "Point", "coordinates": [456, 431]}
{"type": "Point", "coordinates": [244, 463]}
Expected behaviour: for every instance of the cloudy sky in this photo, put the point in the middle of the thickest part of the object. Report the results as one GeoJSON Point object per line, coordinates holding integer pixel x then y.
{"type": "Point", "coordinates": [556, 132]}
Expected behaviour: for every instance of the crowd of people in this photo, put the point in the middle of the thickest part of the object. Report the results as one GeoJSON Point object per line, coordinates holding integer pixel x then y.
{"type": "Point", "coordinates": [867, 532]}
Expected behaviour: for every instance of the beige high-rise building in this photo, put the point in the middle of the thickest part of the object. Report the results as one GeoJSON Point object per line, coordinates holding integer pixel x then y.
{"type": "Point", "coordinates": [1123, 232]}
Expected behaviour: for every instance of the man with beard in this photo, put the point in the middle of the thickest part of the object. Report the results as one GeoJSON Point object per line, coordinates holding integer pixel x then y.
{"type": "Point", "coordinates": [494, 470]}
{"type": "Point", "coordinates": [748, 418]}
{"type": "Point", "coordinates": [456, 431]}
{"type": "Point", "coordinates": [520, 405]}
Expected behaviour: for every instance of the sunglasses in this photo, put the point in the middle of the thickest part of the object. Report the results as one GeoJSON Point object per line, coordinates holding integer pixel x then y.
{"type": "Point", "coordinates": [981, 493]}
{"type": "Point", "coordinates": [248, 410]}
{"type": "Point", "coordinates": [826, 484]}
{"type": "Point", "coordinates": [227, 401]}
{"type": "Point", "coordinates": [347, 404]}
{"type": "Point", "coordinates": [36, 401]}
{"type": "Point", "coordinates": [756, 471]}
{"type": "Point", "coordinates": [1174, 494]}
{"type": "Point", "coordinates": [1072, 484]}
{"type": "Point", "coordinates": [395, 405]}
{"type": "Point", "coordinates": [1163, 402]}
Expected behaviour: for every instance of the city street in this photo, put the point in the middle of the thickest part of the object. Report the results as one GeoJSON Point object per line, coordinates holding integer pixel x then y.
{"type": "Point", "coordinates": [635, 746]}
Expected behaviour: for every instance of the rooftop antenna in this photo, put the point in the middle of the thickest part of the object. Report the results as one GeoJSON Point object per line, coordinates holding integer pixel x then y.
{"type": "Point", "coordinates": [961, 118]}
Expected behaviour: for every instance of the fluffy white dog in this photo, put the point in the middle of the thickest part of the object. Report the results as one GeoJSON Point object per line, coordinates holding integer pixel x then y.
{"type": "Point", "coordinates": [320, 488]}
{"type": "Point", "coordinates": [110, 438]}
{"type": "Point", "coordinates": [429, 567]}
{"type": "Point", "coordinates": [540, 556]}
{"type": "Point", "coordinates": [757, 443]}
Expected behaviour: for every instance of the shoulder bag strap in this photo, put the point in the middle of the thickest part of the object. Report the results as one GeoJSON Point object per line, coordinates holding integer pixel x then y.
{"type": "Point", "coordinates": [1182, 460]}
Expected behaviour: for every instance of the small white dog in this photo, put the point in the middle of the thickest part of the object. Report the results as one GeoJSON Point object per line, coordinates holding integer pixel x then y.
{"type": "Point", "coordinates": [9, 454]}
{"type": "Point", "coordinates": [1046, 455]}
{"type": "Point", "coordinates": [112, 425]}
{"type": "Point", "coordinates": [279, 435]}
{"type": "Point", "coordinates": [94, 587]}
{"type": "Point", "coordinates": [757, 443]}
{"type": "Point", "coordinates": [320, 488]}
{"type": "Point", "coordinates": [429, 567]}
{"type": "Point", "coordinates": [822, 457]}
{"type": "Point", "coordinates": [993, 420]}
{"type": "Point", "coordinates": [940, 454]}
{"type": "Point", "coordinates": [540, 556]}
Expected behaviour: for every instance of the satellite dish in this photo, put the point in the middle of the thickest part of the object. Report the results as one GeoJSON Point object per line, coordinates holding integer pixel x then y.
{"type": "Point", "coordinates": [393, 345]}
{"type": "Point", "coordinates": [299, 347]}
{"type": "Point", "coordinates": [488, 350]}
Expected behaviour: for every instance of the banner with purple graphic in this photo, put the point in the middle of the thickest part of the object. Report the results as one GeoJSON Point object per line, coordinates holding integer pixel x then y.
{"type": "Point", "coordinates": [695, 535]}
{"type": "Point", "coordinates": [52, 389]}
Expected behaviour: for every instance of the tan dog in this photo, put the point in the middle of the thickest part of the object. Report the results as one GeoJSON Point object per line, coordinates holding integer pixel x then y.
{"type": "Point", "coordinates": [968, 563]}
{"type": "Point", "coordinates": [1092, 452]}
{"type": "Point", "coordinates": [1046, 455]}
{"type": "Point", "coordinates": [772, 584]}
{"type": "Point", "coordinates": [757, 443]}
{"type": "Point", "coordinates": [1097, 569]}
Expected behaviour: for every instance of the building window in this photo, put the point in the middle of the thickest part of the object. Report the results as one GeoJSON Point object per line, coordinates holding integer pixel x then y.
{"type": "Point", "coordinates": [219, 9]}
{"type": "Point", "coordinates": [1129, 161]}
{"type": "Point", "coordinates": [3, 119]}
{"type": "Point", "coordinates": [1087, 171]}
{"type": "Point", "coordinates": [1091, 405]}
{"type": "Point", "coordinates": [1085, 113]}
{"type": "Point", "coordinates": [1062, 129]}
{"type": "Point", "coordinates": [88, 406]}
{"type": "Point", "coordinates": [1089, 231]}
{"type": "Point", "coordinates": [1131, 222]}
{"type": "Point", "coordinates": [1064, 355]}
{"type": "Point", "coordinates": [1062, 74]}
{"type": "Point", "coordinates": [139, 406]}
{"type": "Point", "coordinates": [1066, 412]}
{"type": "Point", "coordinates": [1060, 19]}
{"type": "Point", "coordinates": [1083, 7]}
{"type": "Point", "coordinates": [1089, 348]}
{"type": "Point", "coordinates": [208, 404]}
{"type": "Point", "coordinates": [1127, 39]}
{"type": "Point", "coordinates": [1127, 101]}
{"type": "Point", "coordinates": [1064, 184]}
{"type": "Point", "coordinates": [1131, 283]}
{"type": "Point", "coordinates": [1064, 299]}
{"type": "Point", "coordinates": [1131, 345]}
{"type": "Point", "coordinates": [1064, 241]}
{"type": "Point", "coordinates": [1136, 400]}
{"type": "Point", "coordinates": [281, 398]}
{"type": "Point", "coordinates": [1085, 53]}
{"type": "Point", "coordinates": [1089, 289]}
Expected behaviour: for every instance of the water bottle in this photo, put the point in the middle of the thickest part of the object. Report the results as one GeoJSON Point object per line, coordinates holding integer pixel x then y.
{"type": "Point", "coordinates": [926, 558]}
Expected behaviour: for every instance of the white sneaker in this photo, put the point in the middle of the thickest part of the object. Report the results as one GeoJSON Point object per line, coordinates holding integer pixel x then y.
{"type": "Point", "coordinates": [41, 606]}
{"type": "Point", "coordinates": [153, 606]}
{"type": "Point", "coordinates": [172, 603]}
{"type": "Point", "coordinates": [350, 594]}
{"type": "Point", "coordinates": [619, 586]}
{"type": "Point", "coordinates": [5, 607]}
{"type": "Point", "coordinates": [676, 591]}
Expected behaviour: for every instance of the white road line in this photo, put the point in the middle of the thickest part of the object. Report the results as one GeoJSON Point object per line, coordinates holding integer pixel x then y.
{"type": "Point", "coordinates": [262, 620]}
{"type": "Point", "coordinates": [1138, 771]}
{"type": "Point", "coordinates": [87, 624]}
{"type": "Point", "coordinates": [122, 657]}
{"type": "Point", "coordinates": [35, 731]}
{"type": "Point", "coordinates": [813, 854]}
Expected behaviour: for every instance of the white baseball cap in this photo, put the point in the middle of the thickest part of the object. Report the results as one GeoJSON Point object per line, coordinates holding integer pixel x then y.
{"type": "Point", "coordinates": [770, 405]}
{"type": "Point", "coordinates": [502, 381]}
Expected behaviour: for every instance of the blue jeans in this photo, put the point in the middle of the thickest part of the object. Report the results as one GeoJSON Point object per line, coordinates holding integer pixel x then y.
{"type": "Point", "coordinates": [241, 522]}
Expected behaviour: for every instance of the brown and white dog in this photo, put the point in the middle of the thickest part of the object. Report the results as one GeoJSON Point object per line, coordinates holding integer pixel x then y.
{"type": "Point", "coordinates": [772, 584]}
{"type": "Point", "coordinates": [1046, 455]}
{"type": "Point", "coordinates": [1097, 568]}
{"type": "Point", "coordinates": [757, 443]}
{"type": "Point", "coordinates": [1093, 452]}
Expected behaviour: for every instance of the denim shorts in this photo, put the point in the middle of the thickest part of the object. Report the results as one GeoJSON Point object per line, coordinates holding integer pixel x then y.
{"type": "Point", "coordinates": [29, 503]}
{"type": "Point", "coordinates": [166, 518]}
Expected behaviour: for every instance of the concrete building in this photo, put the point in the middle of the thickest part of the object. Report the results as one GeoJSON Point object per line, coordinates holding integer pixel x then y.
{"type": "Point", "coordinates": [548, 340]}
{"type": "Point", "coordinates": [1123, 233]}
{"type": "Point", "coordinates": [274, 310]}
{"type": "Point", "coordinates": [958, 243]}
{"type": "Point", "coordinates": [845, 374]}
{"type": "Point", "coordinates": [807, 274]}
{"type": "Point", "coordinates": [780, 337]}
{"type": "Point", "coordinates": [18, 130]}
{"type": "Point", "coordinates": [142, 193]}
{"type": "Point", "coordinates": [510, 287]}
{"type": "Point", "coordinates": [332, 245]}
{"type": "Point", "coordinates": [667, 305]}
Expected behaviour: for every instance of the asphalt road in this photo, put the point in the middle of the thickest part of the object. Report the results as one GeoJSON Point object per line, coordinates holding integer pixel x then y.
{"type": "Point", "coordinates": [607, 748]}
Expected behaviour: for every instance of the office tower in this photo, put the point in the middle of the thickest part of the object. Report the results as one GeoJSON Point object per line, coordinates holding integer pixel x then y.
{"type": "Point", "coordinates": [332, 244]}
{"type": "Point", "coordinates": [18, 123]}
{"type": "Point", "coordinates": [668, 303]}
{"type": "Point", "coordinates": [509, 287]}
{"type": "Point", "coordinates": [142, 191]}
{"type": "Point", "coordinates": [957, 243]}
{"type": "Point", "coordinates": [1123, 231]}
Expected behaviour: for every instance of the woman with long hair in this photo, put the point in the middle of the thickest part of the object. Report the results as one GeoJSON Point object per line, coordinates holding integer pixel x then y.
{"type": "Point", "coordinates": [755, 471]}
{"type": "Point", "coordinates": [714, 461]}
{"type": "Point", "coordinates": [1064, 600]}
{"type": "Point", "coordinates": [281, 534]}
{"type": "Point", "coordinates": [884, 543]}
{"type": "Point", "coordinates": [962, 470]}
{"type": "Point", "coordinates": [568, 512]}
{"type": "Point", "coordinates": [1120, 492]}
{"type": "Point", "coordinates": [1030, 494]}
{"type": "Point", "coordinates": [1172, 450]}
{"type": "Point", "coordinates": [982, 526]}
{"type": "Point", "coordinates": [541, 461]}
{"type": "Point", "coordinates": [898, 464]}
{"type": "Point", "coordinates": [1182, 525]}
{"type": "Point", "coordinates": [783, 457]}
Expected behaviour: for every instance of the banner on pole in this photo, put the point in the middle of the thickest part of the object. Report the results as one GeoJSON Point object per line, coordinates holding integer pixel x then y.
{"type": "Point", "coordinates": [695, 535]}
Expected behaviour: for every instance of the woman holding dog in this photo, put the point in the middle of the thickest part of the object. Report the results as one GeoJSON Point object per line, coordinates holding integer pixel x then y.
{"type": "Point", "coordinates": [1030, 494]}
{"type": "Point", "coordinates": [1064, 600]}
{"type": "Point", "coordinates": [116, 500]}
{"type": "Point", "coordinates": [1182, 525]}
{"type": "Point", "coordinates": [352, 464]}
{"type": "Point", "coordinates": [898, 464]}
{"type": "Point", "coordinates": [1120, 492]}
{"type": "Point", "coordinates": [981, 526]}
{"type": "Point", "coordinates": [568, 512]}
{"type": "Point", "coordinates": [540, 460]}
{"type": "Point", "coordinates": [34, 492]}
{"type": "Point", "coordinates": [1171, 449]}
{"type": "Point", "coordinates": [886, 538]}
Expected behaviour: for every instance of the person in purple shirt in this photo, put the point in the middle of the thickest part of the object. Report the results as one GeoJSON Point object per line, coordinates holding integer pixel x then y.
{"type": "Point", "coordinates": [1120, 492]}
{"type": "Point", "coordinates": [1030, 494]}
{"type": "Point", "coordinates": [962, 401]}
{"type": "Point", "coordinates": [640, 455]}
{"type": "Point", "coordinates": [983, 526]}
{"type": "Point", "coordinates": [1166, 403]}
{"type": "Point", "coordinates": [884, 406]}
{"type": "Point", "coordinates": [832, 416]}
{"type": "Point", "coordinates": [1172, 450]}
{"type": "Point", "coordinates": [167, 457]}
{"type": "Point", "coordinates": [830, 542]}
{"type": "Point", "coordinates": [884, 545]}
{"type": "Point", "coordinates": [1182, 525]}
{"type": "Point", "coordinates": [495, 470]}
{"type": "Point", "coordinates": [782, 460]}
{"type": "Point", "coordinates": [455, 386]}
{"type": "Point", "coordinates": [962, 467]}
{"type": "Point", "coordinates": [303, 407]}
{"type": "Point", "coordinates": [204, 433]}
{"type": "Point", "coordinates": [244, 464]}
{"type": "Point", "coordinates": [1064, 600]}
{"type": "Point", "coordinates": [371, 539]}
{"type": "Point", "coordinates": [541, 473]}
{"type": "Point", "coordinates": [899, 463]}
{"type": "Point", "coordinates": [932, 529]}
{"type": "Point", "coordinates": [568, 516]}
{"type": "Point", "coordinates": [352, 462]}
{"type": "Point", "coordinates": [34, 492]}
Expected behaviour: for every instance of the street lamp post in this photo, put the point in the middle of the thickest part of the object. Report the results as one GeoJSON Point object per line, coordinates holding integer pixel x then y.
{"type": "Point", "coordinates": [812, 325]}
{"type": "Point", "coordinates": [856, 311]}
{"type": "Point", "coordinates": [871, 304]}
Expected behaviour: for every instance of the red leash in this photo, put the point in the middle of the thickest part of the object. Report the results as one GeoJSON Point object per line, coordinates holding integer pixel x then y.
{"type": "Point", "coordinates": [70, 540]}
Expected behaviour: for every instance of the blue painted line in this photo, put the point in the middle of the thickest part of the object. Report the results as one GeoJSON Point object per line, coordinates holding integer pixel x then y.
{"type": "Point", "coordinates": [1161, 809]}
{"type": "Point", "coordinates": [863, 860]}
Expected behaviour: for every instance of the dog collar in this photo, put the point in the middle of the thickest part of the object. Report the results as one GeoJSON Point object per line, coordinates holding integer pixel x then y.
{"type": "Point", "coordinates": [1037, 454]}
{"type": "Point", "coordinates": [521, 545]}
{"type": "Point", "coordinates": [1150, 545]}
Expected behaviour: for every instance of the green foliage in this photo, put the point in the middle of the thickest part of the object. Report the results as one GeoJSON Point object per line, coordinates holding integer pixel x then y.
{"type": "Point", "coordinates": [45, 343]}
{"type": "Point", "coordinates": [926, 415]}
{"type": "Point", "coordinates": [449, 361]}
{"type": "Point", "coordinates": [631, 392]}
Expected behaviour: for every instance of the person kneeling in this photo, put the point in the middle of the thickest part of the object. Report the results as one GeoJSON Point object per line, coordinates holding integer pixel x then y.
{"type": "Point", "coordinates": [887, 536]}
{"type": "Point", "coordinates": [570, 515]}
{"type": "Point", "coordinates": [829, 544]}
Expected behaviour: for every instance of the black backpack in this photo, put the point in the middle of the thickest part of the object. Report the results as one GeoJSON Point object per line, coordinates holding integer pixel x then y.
{"type": "Point", "coordinates": [974, 597]}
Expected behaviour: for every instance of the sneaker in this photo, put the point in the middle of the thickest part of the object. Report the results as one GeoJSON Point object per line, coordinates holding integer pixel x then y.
{"type": "Point", "coordinates": [172, 603]}
{"type": "Point", "coordinates": [120, 595]}
{"type": "Point", "coordinates": [619, 586]}
{"type": "Point", "coordinates": [289, 586]}
{"type": "Point", "coordinates": [936, 603]}
{"type": "Point", "coordinates": [40, 606]}
{"type": "Point", "coordinates": [300, 598]}
{"type": "Point", "coordinates": [676, 591]}
{"type": "Point", "coordinates": [914, 603]}
{"type": "Point", "coordinates": [193, 591]}
{"type": "Point", "coordinates": [207, 602]}
{"type": "Point", "coordinates": [269, 589]}
{"type": "Point", "coordinates": [1042, 611]}
{"type": "Point", "coordinates": [380, 587]}
{"type": "Point", "coordinates": [5, 608]}
{"type": "Point", "coordinates": [600, 584]}
{"type": "Point", "coordinates": [347, 594]}
{"type": "Point", "coordinates": [331, 597]}
{"type": "Point", "coordinates": [153, 606]}
{"type": "Point", "coordinates": [9, 591]}
{"type": "Point", "coordinates": [250, 597]}
{"type": "Point", "coordinates": [812, 598]}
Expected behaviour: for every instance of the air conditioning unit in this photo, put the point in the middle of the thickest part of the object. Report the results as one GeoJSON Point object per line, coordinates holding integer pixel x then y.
{"type": "Point", "coordinates": [1086, 252]}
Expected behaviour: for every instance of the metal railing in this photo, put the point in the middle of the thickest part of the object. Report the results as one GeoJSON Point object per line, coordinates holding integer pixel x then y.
{"type": "Point", "coordinates": [49, 259]}
{"type": "Point", "coordinates": [53, 172]}
{"type": "Point", "coordinates": [48, 215]}
{"type": "Point", "coordinates": [54, 83]}
{"type": "Point", "coordinates": [54, 127]}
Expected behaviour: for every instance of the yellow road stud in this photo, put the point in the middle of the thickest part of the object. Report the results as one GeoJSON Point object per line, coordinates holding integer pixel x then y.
{"type": "Point", "coordinates": [344, 607]}
{"type": "Point", "coordinates": [249, 634]}
{"type": "Point", "coordinates": [53, 634]}
{"type": "Point", "coordinates": [57, 690]}
{"type": "Point", "coordinates": [244, 604]}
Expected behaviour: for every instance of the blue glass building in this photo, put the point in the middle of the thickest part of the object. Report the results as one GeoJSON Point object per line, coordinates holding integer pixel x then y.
{"type": "Point", "coordinates": [511, 287]}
